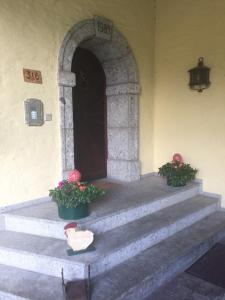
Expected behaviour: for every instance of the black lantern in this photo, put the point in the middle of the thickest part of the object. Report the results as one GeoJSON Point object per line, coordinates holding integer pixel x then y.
{"type": "Point", "coordinates": [199, 76]}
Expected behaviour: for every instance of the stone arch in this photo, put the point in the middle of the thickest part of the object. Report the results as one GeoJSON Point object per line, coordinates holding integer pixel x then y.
{"type": "Point", "coordinates": [122, 90]}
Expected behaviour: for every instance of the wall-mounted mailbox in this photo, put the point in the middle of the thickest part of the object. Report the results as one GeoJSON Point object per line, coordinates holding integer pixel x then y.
{"type": "Point", "coordinates": [34, 112]}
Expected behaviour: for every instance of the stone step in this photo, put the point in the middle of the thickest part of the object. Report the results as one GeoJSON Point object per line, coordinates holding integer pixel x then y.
{"type": "Point", "coordinates": [18, 284]}
{"type": "Point", "coordinates": [140, 276]}
{"type": "Point", "coordinates": [185, 286]}
{"type": "Point", "coordinates": [48, 255]}
{"type": "Point", "coordinates": [120, 206]}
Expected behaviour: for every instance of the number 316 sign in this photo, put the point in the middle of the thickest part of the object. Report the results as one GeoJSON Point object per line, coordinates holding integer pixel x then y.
{"type": "Point", "coordinates": [32, 76]}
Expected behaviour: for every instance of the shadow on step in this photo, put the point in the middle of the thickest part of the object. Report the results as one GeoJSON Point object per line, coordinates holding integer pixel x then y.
{"type": "Point", "coordinates": [76, 290]}
{"type": "Point", "coordinates": [79, 289]}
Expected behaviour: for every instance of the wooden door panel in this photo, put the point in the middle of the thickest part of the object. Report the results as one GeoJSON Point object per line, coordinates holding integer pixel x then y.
{"type": "Point", "coordinates": [89, 111]}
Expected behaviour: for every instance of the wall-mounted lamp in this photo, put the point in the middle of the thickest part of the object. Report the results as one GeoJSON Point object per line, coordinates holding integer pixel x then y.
{"type": "Point", "coordinates": [199, 76]}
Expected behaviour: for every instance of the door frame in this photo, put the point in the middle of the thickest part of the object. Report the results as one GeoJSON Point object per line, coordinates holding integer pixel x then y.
{"type": "Point", "coordinates": [122, 91]}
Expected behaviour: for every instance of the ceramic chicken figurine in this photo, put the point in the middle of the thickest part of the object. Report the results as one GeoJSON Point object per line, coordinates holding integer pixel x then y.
{"type": "Point", "coordinates": [78, 239]}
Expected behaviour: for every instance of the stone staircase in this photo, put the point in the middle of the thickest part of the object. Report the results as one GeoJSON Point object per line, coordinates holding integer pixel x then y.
{"type": "Point", "coordinates": [186, 286]}
{"type": "Point", "coordinates": [145, 234]}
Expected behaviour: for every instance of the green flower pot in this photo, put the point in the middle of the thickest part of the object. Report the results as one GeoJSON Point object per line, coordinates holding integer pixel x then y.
{"type": "Point", "coordinates": [71, 213]}
{"type": "Point", "coordinates": [176, 183]}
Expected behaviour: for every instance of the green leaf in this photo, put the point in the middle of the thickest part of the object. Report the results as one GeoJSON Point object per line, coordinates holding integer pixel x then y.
{"type": "Point", "coordinates": [71, 195]}
{"type": "Point", "coordinates": [177, 174]}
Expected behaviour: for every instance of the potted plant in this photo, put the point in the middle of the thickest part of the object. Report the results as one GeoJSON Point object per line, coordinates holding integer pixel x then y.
{"type": "Point", "coordinates": [177, 172]}
{"type": "Point", "coordinates": [73, 197]}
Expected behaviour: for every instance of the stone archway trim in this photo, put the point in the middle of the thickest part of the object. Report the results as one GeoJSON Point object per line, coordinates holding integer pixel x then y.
{"type": "Point", "coordinates": [66, 78]}
{"type": "Point", "coordinates": [122, 100]}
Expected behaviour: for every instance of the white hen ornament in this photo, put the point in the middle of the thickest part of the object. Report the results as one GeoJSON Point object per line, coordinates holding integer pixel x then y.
{"type": "Point", "coordinates": [78, 240]}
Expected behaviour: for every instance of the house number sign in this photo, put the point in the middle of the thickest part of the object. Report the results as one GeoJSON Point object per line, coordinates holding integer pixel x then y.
{"type": "Point", "coordinates": [103, 28]}
{"type": "Point", "coordinates": [32, 76]}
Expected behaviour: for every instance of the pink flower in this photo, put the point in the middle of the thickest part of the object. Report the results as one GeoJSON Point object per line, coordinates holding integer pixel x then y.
{"type": "Point", "coordinates": [60, 184]}
{"type": "Point", "coordinates": [178, 158]}
{"type": "Point", "coordinates": [74, 176]}
{"type": "Point", "coordinates": [82, 188]}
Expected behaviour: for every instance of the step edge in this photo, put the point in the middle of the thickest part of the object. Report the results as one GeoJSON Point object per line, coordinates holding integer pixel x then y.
{"type": "Point", "coordinates": [34, 219]}
{"type": "Point", "coordinates": [175, 193]}
{"type": "Point", "coordinates": [23, 252]}
{"type": "Point", "coordinates": [11, 296]}
{"type": "Point", "coordinates": [12, 207]}
{"type": "Point", "coordinates": [214, 205]}
{"type": "Point", "coordinates": [212, 195]}
{"type": "Point", "coordinates": [205, 245]}
{"type": "Point", "coordinates": [152, 203]}
{"type": "Point", "coordinates": [103, 259]}
{"type": "Point", "coordinates": [152, 207]}
{"type": "Point", "coordinates": [30, 222]}
{"type": "Point", "coordinates": [188, 220]}
{"type": "Point", "coordinates": [25, 261]}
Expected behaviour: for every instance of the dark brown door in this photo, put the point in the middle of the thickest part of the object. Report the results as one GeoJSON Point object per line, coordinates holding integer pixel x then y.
{"type": "Point", "coordinates": [89, 114]}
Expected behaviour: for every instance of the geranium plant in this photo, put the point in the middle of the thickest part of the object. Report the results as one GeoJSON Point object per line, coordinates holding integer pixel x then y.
{"type": "Point", "coordinates": [71, 192]}
{"type": "Point", "coordinates": [177, 172]}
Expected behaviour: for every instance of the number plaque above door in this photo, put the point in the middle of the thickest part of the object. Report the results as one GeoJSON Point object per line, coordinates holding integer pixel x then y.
{"type": "Point", "coordinates": [32, 76]}
{"type": "Point", "coordinates": [103, 28]}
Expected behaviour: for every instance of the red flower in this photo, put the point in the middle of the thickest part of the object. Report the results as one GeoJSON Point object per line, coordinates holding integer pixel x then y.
{"type": "Point", "coordinates": [74, 176]}
{"type": "Point", "coordinates": [177, 158]}
{"type": "Point", "coordinates": [82, 188]}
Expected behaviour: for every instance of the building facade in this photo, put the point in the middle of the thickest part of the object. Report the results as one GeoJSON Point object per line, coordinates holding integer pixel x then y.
{"type": "Point", "coordinates": [151, 112]}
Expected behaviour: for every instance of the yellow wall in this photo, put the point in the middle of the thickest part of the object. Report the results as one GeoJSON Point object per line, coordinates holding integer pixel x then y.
{"type": "Point", "coordinates": [186, 121]}
{"type": "Point", "coordinates": [31, 33]}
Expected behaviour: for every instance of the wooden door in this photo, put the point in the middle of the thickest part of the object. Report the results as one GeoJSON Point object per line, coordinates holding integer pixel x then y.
{"type": "Point", "coordinates": [89, 114]}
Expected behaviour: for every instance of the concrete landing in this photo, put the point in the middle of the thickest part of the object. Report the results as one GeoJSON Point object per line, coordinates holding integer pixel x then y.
{"type": "Point", "coordinates": [120, 197]}
{"type": "Point", "coordinates": [123, 203]}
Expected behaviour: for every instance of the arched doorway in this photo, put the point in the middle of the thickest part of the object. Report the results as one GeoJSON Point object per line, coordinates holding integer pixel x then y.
{"type": "Point", "coordinates": [89, 115]}
{"type": "Point", "coordinates": [122, 91]}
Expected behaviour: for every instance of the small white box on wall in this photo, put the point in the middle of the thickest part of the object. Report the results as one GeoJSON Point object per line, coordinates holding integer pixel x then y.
{"type": "Point", "coordinates": [34, 114]}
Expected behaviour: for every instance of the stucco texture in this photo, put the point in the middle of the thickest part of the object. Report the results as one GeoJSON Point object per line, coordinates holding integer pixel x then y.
{"type": "Point", "coordinates": [31, 34]}
{"type": "Point", "coordinates": [186, 121]}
